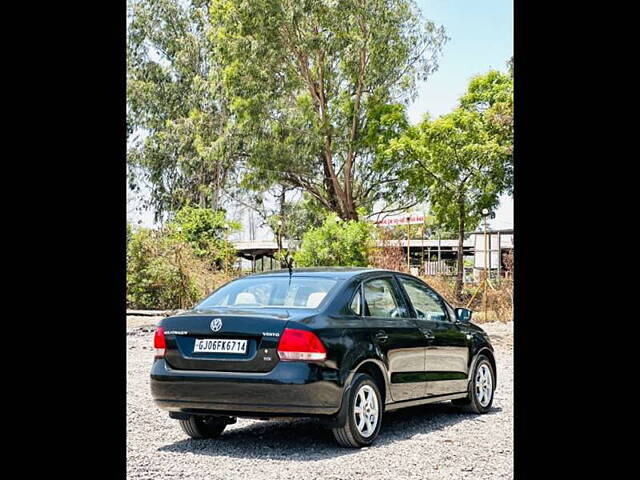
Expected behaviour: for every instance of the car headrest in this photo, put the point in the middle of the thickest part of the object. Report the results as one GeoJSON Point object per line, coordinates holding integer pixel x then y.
{"type": "Point", "coordinates": [315, 298]}
{"type": "Point", "coordinates": [245, 297]}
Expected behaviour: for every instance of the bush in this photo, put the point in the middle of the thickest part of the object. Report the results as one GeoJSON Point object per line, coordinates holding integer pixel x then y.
{"type": "Point", "coordinates": [206, 232]}
{"type": "Point", "coordinates": [176, 266]}
{"type": "Point", "coordinates": [163, 272]}
{"type": "Point", "coordinates": [336, 243]}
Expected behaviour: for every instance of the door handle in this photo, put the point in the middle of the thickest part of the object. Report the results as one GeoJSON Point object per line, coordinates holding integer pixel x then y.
{"type": "Point", "coordinates": [428, 334]}
{"type": "Point", "coordinates": [381, 336]}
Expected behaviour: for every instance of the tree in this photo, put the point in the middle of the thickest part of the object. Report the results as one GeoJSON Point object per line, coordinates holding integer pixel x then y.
{"type": "Point", "coordinates": [288, 218]}
{"type": "Point", "coordinates": [336, 243]}
{"type": "Point", "coordinates": [457, 164]}
{"type": "Point", "coordinates": [298, 217]}
{"type": "Point", "coordinates": [206, 232]}
{"type": "Point", "coordinates": [313, 86]}
{"type": "Point", "coordinates": [176, 117]}
{"type": "Point", "coordinates": [491, 96]}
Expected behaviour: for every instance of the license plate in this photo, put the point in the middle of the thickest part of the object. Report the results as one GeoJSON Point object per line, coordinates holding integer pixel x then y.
{"type": "Point", "coordinates": [219, 345]}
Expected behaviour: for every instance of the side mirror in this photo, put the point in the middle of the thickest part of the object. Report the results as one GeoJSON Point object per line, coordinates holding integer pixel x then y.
{"type": "Point", "coordinates": [463, 314]}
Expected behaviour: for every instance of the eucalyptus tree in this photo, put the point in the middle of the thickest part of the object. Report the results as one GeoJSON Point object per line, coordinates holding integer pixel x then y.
{"type": "Point", "coordinates": [315, 85]}
{"type": "Point", "coordinates": [176, 115]}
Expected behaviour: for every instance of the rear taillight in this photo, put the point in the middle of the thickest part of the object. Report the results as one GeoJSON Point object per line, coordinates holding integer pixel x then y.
{"type": "Point", "coordinates": [159, 343]}
{"type": "Point", "coordinates": [300, 345]}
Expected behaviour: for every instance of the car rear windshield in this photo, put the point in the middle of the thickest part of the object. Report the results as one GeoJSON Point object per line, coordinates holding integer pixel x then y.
{"type": "Point", "coordinates": [265, 292]}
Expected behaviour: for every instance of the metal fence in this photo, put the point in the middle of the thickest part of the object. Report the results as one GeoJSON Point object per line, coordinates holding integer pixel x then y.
{"type": "Point", "coordinates": [440, 268]}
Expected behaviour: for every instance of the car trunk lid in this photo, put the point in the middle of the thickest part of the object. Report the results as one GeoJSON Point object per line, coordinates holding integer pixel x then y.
{"type": "Point", "coordinates": [257, 332]}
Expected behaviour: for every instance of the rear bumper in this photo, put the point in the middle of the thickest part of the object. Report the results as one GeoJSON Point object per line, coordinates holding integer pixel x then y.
{"type": "Point", "coordinates": [291, 388]}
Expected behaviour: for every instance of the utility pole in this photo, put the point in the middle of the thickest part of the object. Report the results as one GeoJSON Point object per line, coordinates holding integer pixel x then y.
{"type": "Point", "coordinates": [499, 259]}
{"type": "Point", "coordinates": [408, 246]}
{"type": "Point", "coordinates": [439, 249]}
{"type": "Point", "coordinates": [422, 240]}
{"type": "Point", "coordinates": [485, 213]}
{"type": "Point", "coordinates": [485, 279]}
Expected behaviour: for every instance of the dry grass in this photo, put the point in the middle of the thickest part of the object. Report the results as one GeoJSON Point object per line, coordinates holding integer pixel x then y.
{"type": "Point", "coordinates": [205, 278]}
{"type": "Point", "coordinates": [387, 256]}
{"type": "Point", "coordinates": [499, 299]}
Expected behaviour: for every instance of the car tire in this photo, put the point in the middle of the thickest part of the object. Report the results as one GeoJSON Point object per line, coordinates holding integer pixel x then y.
{"type": "Point", "coordinates": [481, 388]}
{"type": "Point", "coordinates": [203, 427]}
{"type": "Point", "coordinates": [364, 415]}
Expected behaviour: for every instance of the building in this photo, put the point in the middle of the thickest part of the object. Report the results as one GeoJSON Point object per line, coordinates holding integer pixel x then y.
{"type": "Point", "coordinates": [499, 244]}
{"type": "Point", "coordinates": [426, 256]}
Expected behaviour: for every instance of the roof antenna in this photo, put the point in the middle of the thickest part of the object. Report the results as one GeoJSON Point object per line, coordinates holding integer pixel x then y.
{"type": "Point", "coordinates": [289, 260]}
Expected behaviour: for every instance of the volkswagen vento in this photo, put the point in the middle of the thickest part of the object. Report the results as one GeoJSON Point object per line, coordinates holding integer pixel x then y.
{"type": "Point", "coordinates": [344, 345]}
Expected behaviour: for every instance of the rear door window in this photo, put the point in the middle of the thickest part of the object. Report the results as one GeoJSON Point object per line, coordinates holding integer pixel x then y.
{"type": "Point", "coordinates": [380, 299]}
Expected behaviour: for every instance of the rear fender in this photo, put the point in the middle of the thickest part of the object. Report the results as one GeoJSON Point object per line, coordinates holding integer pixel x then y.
{"type": "Point", "coordinates": [383, 369]}
{"type": "Point", "coordinates": [339, 420]}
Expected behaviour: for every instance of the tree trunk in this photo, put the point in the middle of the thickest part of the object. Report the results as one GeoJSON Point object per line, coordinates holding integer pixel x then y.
{"type": "Point", "coordinates": [460, 272]}
{"type": "Point", "coordinates": [339, 200]}
{"type": "Point", "coordinates": [350, 208]}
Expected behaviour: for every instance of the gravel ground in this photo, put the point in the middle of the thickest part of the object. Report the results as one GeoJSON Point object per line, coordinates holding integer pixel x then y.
{"type": "Point", "coordinates": [434, 441]}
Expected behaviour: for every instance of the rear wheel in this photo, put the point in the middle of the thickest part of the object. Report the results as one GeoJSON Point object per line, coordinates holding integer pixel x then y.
{"type": "Point", "coordinates": [203, 427]}
{"type": "Point", "coordinates": [364, 416]}
{"type": "Point", "coordinates": [482, 387]}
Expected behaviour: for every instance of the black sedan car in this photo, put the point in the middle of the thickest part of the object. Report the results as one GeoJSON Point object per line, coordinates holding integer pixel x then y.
{"type": "Point", "coordinates": [344, 345]}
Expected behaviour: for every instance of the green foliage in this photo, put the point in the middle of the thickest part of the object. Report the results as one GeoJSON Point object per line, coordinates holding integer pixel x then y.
{"type": "Point", "coordinates": [298, 217]}
{"type": "Point", "coordinates": [336, 243]}
{"type": "Point", "coordinates": [455, 164]}
{"type": "Point", "coordinates": [491, 96]}
{"type": "Point", "coordinates": [175, 266]}
{"type": "Point", "coordinates": [461, 162]}
{"type": "Point", "coordinates": [314, 86]}
{"type": "Point", "coordinates": [206, 232]}
{"type": "Point", "coordinates": [129, 232]}
{"type": "Point", "coordinates": [156, 277]}
{"type": "Point", "coordinates": [177, 142]}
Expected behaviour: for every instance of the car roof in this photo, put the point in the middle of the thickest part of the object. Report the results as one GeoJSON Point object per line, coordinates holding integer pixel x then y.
{"type": "Point", "coordinates": [334, 272]}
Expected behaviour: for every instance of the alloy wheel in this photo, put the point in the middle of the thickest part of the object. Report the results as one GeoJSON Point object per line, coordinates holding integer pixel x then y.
{"type": "Point", "coordinates": [366, 411]}
{"type": "Point", "coordinates": [484, 385]}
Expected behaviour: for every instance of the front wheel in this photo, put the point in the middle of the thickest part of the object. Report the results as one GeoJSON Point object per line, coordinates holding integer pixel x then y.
{"type": "Point", "coordinates": [482, 387]}
{"type": "Point", "coordinates": [364, 416]}
{"type": "Point", "coordinates": [203, 427]}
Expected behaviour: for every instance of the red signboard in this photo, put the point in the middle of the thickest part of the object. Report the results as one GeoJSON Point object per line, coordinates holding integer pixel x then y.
{"type": "Point", "coordinates": [409, 220]}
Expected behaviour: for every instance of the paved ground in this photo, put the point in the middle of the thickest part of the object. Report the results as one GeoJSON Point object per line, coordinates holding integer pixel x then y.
{"type": "Point", "coordinates": [433, 441]}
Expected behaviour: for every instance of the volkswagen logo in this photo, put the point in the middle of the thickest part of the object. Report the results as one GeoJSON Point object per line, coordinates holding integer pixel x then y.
{"type": "Point", "coordinates": [216, 324]}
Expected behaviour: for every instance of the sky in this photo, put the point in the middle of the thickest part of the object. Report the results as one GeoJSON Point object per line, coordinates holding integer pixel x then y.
{"type": "Point", "coordinates": [481, 38]}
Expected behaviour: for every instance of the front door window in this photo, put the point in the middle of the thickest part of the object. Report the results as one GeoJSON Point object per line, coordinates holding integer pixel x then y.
{"type": "Point", "coordinates": [425, 302]}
